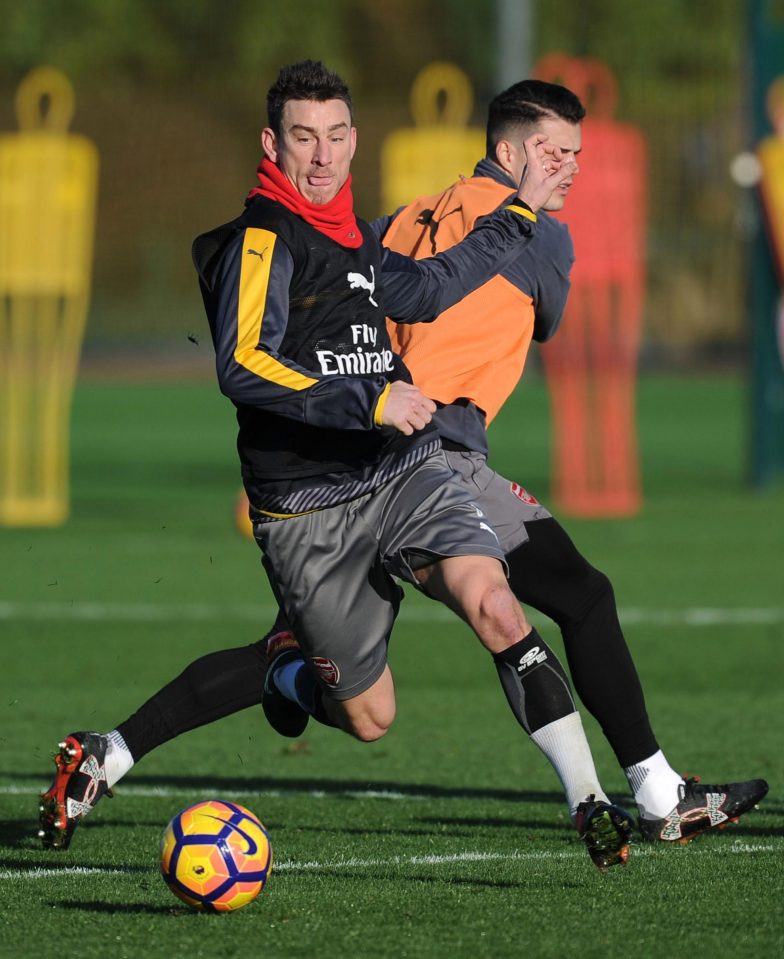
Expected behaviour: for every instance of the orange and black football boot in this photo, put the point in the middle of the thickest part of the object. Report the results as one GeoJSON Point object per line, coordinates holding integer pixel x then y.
{"type": "Point", "coordinates": [79, 782]}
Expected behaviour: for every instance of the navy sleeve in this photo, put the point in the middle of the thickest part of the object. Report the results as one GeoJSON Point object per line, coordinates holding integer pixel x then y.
{"type": "Point", "coordinates": [542, 271]}
{"type": "Point", "coordinates": [382, 224]}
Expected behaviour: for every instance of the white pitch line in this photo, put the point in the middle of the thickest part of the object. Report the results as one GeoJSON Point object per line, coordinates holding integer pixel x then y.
{"type": "Point", "coordinates": [291, 865]}
{"type": "Point", "coordinates": [133, 612]}
{"type": "Point", "coordinates": [436, 860]}
{"type": "Point", "coordinates": [40, 872]}
{"type": "Point", "coordinates": [707, 616]}
{"type": "Point", "coordinates": [209, 612]}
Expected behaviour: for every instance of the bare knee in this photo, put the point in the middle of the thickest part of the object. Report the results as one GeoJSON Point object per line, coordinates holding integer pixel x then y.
{"type": "Point", "coordinates": [501, 621]}
{"type": "Point", "coordinates": [368, 716]}
{"type": "Point", "coordinates": [476, 589]}
{"type": "Point", "coordinates": [367, 726]}
{"type": "Point", "coordinates": [368, 730]}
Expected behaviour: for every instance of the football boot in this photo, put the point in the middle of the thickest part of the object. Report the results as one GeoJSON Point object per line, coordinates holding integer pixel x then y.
{"type": "Point", "coordinates": [702, 808]}
{"type": "Point", "coordinates": [606, 831]}
{"type": "Point", "coordinates": [79, 782]}
{"type": "Point", "coordinates": [286, 717]}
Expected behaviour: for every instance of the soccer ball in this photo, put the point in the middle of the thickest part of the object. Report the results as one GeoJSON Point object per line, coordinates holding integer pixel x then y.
{"type": "Point", "coordinates": [216, 856]}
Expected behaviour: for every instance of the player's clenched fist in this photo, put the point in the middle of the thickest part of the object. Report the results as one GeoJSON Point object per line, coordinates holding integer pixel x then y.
{"type": "Point", "coordinates": [407, 408]}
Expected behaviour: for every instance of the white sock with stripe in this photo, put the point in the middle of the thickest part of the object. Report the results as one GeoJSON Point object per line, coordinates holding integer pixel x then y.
{"type": "Point", "coordinates": [565, 745]}
{"type": "Point", "coordinates": [655, 785]}
{"type": "Point", "coordinates": [118, 758]}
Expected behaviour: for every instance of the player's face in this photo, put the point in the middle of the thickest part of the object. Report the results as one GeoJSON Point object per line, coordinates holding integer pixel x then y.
{"type": "Point", "coordinates": [568, 137]}
{"type": "Point", "coordinates": [315, 147]}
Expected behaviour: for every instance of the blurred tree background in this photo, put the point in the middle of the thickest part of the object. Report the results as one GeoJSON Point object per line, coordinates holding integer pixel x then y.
{"type": "Point", "coordinates": [172, 92]}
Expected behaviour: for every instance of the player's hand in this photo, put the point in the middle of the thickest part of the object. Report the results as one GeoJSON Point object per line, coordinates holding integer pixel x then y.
{"type": "Point", "coordinates": [545, 170]}
{"type": "Point", "coordinates": [407, 408]}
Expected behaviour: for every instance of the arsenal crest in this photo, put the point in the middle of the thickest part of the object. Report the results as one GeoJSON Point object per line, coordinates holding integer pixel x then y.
{"type": "Point", "coordinates": [524, 495]}
{"type": "Point", "coordinates": [327, 670]}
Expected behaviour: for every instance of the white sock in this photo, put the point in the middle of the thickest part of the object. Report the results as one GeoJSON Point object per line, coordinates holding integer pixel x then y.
{"type": "Point", "coordinates": [655, 786]}
{"type": "Point", "coordinates": [565, 745]}
{"type": "Point", "coordinates": [118, 758]}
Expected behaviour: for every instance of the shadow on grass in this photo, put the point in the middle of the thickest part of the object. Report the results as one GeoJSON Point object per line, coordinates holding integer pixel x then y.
{"type": "Point", "coordinates": [332, 787]}
{"type": "Point", "coordinates": [123, 908]}
{"type": "Point", "coordinates": [493, 822]}
{"type": "Point", "coordinates": [18, 832]}
{"type": "Point", "coordinates": [440, 828]}
{"type": "Point", "coordinates": [745, 829]}
{"type": "Point", "coordinates": [380, 874]}
{"type": "Point", "coordinates": [338, 787]}
{"type": "Point", "coordinates": [23, 833]}
{"type": "Point", "coordinates": [489, 883]}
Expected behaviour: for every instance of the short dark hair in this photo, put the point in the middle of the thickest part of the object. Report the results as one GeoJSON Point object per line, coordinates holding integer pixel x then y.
{"type": "Point", "coordinates": [306, 80]}
{"type": "Point", "coordinates": [525, 104]}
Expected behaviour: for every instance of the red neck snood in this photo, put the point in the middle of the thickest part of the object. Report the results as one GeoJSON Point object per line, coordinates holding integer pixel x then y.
{"type": "Point", "coordinates": [334, 219]}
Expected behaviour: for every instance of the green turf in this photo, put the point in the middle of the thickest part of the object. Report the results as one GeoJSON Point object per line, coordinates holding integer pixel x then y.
{"type": "Point", "coordinates": [449, 837]}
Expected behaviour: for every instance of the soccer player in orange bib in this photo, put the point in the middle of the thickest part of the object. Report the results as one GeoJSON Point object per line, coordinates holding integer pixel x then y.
{"type": "Point", "coordinates": [469, 361]}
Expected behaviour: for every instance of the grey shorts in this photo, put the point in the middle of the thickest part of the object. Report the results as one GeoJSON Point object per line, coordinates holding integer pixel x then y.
{"type": "Point", "coordinates": [332, 570]}
{"type": "Point", "coordinates": [507, 506]}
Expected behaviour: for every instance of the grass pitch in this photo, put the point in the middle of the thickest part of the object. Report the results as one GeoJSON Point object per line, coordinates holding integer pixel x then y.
{"type": "Point", "coordinates": [450, 836]}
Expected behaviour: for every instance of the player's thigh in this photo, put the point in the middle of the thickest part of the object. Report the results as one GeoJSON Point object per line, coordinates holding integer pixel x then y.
{"type": "Point", "coordinates": [328, 577]}
{"type": "Point", "coordinates": [506, 505]}
{"type": "Point", "coordinates": [464, 584]}
{"type": "Point", "coordinates": [426, 516]}
{"type": "Point", "coordinates": [476, 588]}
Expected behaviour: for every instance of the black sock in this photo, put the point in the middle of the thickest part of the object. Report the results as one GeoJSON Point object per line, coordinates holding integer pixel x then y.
{"type": "Point", "coordinates": [535, 683]}
{"type": "Point", "coordinates": [216, 685]}
{"type": "Point", "coordinates": [210, 688]}
{"type": "Point", "coordinates": [549, 574]}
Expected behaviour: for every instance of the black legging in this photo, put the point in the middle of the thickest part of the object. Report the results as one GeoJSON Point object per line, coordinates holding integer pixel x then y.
{"type": "Point", "coordinates": [550, 575]}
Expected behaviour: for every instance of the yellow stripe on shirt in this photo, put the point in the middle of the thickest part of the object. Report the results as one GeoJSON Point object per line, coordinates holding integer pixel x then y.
{"type": "Point", "coordinates": [257, 247]}
{"type": "Point", "coordinates": [522, 211]}
{"type": "Point", "coordinates": [381, 402]}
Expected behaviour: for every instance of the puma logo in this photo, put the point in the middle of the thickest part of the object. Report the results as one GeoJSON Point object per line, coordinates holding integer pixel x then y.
{"type": "Point", "coordinates": [357, 281]}
{"type": "Point", "coordinates": [481, 515]}
{"type": "Point", "coordinates": [427, 218]}
{"type": "Point", "coordinates": [259, 255]}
